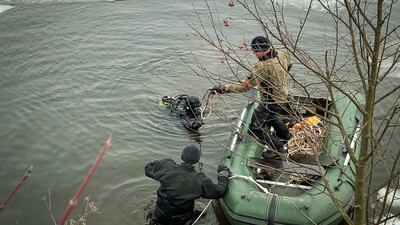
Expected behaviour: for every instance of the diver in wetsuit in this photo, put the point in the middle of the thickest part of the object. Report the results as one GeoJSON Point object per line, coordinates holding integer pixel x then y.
{"type": "Point", "coordinates": [187, 109]}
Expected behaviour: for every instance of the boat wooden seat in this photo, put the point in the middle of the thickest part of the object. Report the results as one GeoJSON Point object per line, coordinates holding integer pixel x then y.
{"type": "Point", "coordinates": [324, 160]}
{"type": "Point", "coordinates": [284, 166]}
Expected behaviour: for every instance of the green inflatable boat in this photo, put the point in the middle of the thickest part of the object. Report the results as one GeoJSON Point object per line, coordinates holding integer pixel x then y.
{"type": "Point", "coordinates": [290, 189]}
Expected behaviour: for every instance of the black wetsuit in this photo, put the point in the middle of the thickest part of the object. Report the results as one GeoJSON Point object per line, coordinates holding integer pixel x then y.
{"type": "Point", "coordinates": [187, 109]}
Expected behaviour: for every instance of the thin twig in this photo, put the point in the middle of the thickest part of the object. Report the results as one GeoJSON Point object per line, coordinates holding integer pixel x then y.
{"type": "Point", "coordinates": [74, 200]}
{"type": "Point", "coordinates": [48, 206]}
{"type": "Point", "coordinates": [27, 174]}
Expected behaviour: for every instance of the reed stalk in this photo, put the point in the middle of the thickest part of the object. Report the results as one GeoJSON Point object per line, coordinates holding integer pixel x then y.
{"type": "Point", "coordinates": [74, 200]}
{"type": "Point", "coordinates": [27, 174]}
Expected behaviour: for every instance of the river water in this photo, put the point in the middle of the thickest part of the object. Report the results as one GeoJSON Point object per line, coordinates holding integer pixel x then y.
{"type": "Point", "coordinates": [71, 72]}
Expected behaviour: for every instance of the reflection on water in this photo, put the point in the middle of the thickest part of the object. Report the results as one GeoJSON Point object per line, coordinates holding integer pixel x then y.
{"type": "Point", "coordinates": [148, 211]}
{"type": "Point", "coordinates": [75, 72]}
{"type": "Point", "coordinates": [4, 8]}
{"type": "Point", "coordinates": [201, 212]}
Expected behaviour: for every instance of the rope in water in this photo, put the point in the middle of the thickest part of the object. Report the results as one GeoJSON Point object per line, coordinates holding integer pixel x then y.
{"type": "Point", "coordinates": [202, 212]}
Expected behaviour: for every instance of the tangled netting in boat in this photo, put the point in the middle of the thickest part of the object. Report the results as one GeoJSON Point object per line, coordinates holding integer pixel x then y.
{"type": "Point", "coordinates": [307, 137]}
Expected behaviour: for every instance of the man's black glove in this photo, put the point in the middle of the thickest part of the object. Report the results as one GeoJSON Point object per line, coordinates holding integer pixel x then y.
{"type": "Point", "coordinates": [219, 89]}
{"type": "Point", "coordinates": [290, 124]}
{"type": "Point", "coordinates": [223, 171]}
{"type": "Point", "coordinates": [222, 167]}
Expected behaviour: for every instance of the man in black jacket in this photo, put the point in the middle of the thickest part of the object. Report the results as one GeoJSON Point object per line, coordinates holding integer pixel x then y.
{"type": "Point", "coordinates": [181, 185]}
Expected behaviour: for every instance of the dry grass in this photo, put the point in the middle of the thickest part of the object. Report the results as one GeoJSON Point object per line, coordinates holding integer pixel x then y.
{"type": "Point", "coordinates": [88, 208]}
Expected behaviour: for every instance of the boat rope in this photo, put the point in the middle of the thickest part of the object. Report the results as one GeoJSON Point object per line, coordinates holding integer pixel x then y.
{"type": "Point", "coordinates": [202, 212]}
{"type": "Point", "coordinates": [207, 109]}
{"type": "Point", "coordinates": [306, 138]}
{"type": "Point", "coordinates": [248, 178]}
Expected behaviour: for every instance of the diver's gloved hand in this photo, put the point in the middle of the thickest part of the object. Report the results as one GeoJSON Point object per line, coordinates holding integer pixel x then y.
{"type": "Point", "coordinates": [219, 89]}
{"type": "Point", "coordinates": [223, 171]}
{"type": "Point", "coordinates": [154, 162]}
{"type": "Point", "coordinates": [195, 125]}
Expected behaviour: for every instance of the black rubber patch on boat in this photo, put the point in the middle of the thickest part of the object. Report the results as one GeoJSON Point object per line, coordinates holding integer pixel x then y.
{"type": "Point", "coordinates": [272, 210]}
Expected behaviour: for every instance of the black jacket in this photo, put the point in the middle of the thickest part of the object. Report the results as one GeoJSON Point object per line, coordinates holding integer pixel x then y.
{"type": "Point", "coordinates": [180, 186]}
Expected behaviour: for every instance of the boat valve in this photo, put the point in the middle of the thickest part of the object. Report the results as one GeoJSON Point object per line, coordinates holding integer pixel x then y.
{"type": "Point", "coordinates": [342, 151]}
{"type": "Point", "coordinates": [244, 197]}
{"type": "Point", "coordinates": [340, 184]}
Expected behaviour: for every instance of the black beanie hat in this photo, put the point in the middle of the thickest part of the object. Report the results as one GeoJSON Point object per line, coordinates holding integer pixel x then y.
{"type": "Point", "coordinates": [260, 43]}
{"type": "Point", "coordinates": [190, 154]}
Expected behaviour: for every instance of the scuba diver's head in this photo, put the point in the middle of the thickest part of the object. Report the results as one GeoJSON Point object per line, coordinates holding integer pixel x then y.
{"type": "Point", "coordinates": [167, 100]}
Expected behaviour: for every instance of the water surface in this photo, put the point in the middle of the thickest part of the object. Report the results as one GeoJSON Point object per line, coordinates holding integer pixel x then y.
{"type": "Point", "coordinates": [72, 72]}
